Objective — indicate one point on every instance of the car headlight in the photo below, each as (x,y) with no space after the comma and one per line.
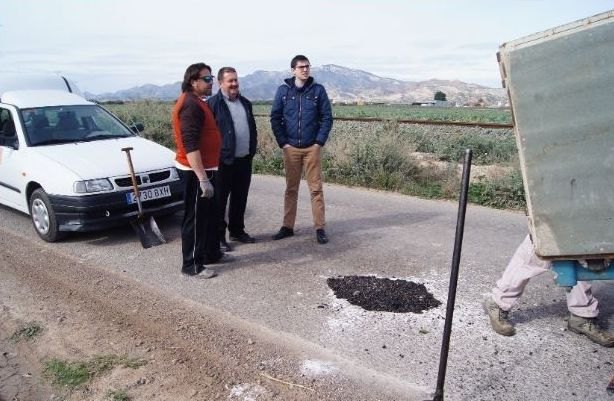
(174,174)
(97,185)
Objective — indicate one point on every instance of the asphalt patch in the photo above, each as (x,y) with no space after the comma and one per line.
(383,294)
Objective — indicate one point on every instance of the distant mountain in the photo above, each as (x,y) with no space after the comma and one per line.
(148,91)
(342,84)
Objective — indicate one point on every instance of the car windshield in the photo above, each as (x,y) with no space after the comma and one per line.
(66,124)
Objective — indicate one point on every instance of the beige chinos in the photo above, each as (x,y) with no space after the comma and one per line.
(525,265)
(295,160)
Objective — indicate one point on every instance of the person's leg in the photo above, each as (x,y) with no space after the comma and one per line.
(192,243)
(293,165)
(583,313)
(581,302)
(187,223)
(523,266)
(313,174)
(241,180)
(224,179)
(209,227)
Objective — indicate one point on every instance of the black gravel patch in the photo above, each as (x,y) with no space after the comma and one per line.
(383,294)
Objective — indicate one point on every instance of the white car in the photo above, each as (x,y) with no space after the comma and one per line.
(61,162)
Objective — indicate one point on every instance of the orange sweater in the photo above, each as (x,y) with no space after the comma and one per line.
(194,129)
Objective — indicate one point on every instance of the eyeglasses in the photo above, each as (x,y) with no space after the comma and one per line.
(302,67)
(207,78)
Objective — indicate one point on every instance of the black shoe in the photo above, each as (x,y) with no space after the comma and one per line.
(283,232)
(243,237)
(192,270)
(225,246)
(321,236)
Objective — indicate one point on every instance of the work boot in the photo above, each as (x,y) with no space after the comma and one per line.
(499,319)
(589,327)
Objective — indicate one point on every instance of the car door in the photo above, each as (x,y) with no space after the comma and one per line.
(12,149)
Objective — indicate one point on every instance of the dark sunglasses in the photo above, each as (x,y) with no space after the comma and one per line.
(207,78)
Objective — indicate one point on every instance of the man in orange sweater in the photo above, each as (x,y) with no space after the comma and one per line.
(198,141)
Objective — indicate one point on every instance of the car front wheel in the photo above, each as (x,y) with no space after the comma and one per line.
(43,216)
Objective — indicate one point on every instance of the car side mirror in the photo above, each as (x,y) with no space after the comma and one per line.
(137,128)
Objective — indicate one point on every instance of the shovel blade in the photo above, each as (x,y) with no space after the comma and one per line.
(148,231)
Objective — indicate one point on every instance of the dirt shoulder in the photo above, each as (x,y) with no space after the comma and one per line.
(190,352)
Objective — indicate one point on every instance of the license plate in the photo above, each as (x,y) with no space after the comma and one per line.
(149,194)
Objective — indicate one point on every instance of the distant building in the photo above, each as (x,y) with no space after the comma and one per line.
(432,103)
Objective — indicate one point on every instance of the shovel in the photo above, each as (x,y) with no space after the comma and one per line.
(146,228)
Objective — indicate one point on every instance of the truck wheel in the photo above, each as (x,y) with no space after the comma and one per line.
(43,216)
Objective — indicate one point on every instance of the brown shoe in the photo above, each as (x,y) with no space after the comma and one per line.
(499,319)
(588,326)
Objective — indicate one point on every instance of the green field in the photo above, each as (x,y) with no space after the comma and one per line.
(406,112)
(414,159)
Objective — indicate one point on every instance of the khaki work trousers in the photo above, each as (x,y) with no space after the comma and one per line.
(295,161)
(525,265)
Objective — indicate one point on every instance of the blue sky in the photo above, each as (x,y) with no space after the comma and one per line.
(107,45)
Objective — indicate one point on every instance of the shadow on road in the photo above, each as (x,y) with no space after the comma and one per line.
(345,237)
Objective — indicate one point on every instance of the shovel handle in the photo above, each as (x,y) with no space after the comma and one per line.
(133,177)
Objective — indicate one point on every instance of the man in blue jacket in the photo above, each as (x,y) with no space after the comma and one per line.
(301,119)
(235,120)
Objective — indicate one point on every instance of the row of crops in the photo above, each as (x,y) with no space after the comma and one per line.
(406,112)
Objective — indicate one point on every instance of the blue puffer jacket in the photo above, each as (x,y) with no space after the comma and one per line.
(303,116)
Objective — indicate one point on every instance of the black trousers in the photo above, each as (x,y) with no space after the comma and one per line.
(233,182)
(199,228)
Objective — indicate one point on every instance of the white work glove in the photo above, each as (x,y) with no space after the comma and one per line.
(207,188)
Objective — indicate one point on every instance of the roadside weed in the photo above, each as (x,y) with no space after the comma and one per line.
(67,374)
(506,192)
(73,374)
(117,395)
(27,332)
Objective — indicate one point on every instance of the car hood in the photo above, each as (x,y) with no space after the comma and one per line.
(105,158)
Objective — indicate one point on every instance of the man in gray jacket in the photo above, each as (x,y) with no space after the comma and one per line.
(235,120)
